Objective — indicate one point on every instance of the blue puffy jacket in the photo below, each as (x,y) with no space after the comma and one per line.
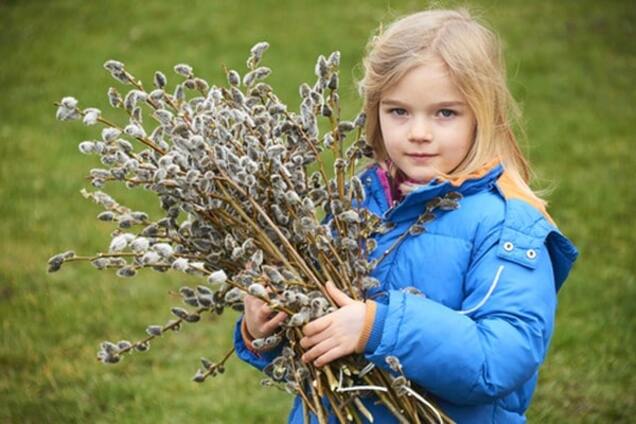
(489,272)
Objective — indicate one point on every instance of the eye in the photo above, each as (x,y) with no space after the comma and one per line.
(397,111)
(447,113)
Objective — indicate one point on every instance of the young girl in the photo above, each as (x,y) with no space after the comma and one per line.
(467,306)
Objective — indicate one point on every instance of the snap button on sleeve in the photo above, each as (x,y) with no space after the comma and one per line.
(519,247)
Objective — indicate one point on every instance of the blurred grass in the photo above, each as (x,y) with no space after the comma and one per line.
(572,66)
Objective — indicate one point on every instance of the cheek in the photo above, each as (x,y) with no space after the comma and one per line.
(384,126)
(460,137)
(390,132)
(468,136)
(385,132)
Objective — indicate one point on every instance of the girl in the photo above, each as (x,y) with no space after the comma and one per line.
(467,306)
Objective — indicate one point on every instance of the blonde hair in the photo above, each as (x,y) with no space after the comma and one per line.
(473,58)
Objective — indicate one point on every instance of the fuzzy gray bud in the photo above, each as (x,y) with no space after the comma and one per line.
(350,217)
(256,75)
(273,274)
(217,277)
(106,216)
(150,258)
(179,312)
(233,78)
(91,116)
(259,48)
(164,249)
(55,263)
(257,290)
(180,264)
(292,197)
(140,244)
(299,319)
(334,59)
(321,69)
(110,134)
(113,66)
(154,330)
(163,116)
(135,130)
(416,229)
(87,147)
(357,188)
(394,363)
(360,120)
(334,82)
(199,377)
(142,347)
(118,243)
(345,126)
(127,271)
(100,263)
(233,295)
(114,98)
(256,53)
(160,80)
(183,70)
(370,282)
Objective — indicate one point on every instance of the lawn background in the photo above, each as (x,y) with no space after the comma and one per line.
(572,66)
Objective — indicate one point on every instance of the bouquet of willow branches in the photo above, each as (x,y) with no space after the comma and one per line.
(231,167)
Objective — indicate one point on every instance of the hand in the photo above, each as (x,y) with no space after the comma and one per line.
(336,334)
(259,318)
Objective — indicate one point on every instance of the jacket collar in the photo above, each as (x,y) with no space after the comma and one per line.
(413,204)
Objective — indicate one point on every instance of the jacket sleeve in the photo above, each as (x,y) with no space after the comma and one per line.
(486,350)
(258,360)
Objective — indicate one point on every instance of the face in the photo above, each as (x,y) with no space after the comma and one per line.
(426,124)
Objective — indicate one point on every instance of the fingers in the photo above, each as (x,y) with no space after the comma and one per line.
(338,295)
(317,326)
(330,355)
(319,350)
(253,303)
(256,306)
(261,321)
(274,323)
(265,311)
(308,342)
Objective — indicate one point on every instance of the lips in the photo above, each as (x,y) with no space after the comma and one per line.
(421,158)
(421,155)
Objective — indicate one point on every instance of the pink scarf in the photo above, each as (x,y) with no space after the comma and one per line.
(393,187)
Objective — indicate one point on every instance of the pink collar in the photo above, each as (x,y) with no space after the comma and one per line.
(391,185)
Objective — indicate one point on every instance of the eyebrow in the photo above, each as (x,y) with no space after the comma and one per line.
(450,103)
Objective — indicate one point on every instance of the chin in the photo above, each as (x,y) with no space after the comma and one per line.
(419,177)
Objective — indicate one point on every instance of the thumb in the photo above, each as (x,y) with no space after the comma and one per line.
(337,295)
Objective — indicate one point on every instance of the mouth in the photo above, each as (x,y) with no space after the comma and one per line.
(420,155)
(421,158)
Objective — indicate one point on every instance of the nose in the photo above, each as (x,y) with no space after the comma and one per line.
(420,130)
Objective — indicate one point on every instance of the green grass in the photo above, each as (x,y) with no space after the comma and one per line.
(572,67)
